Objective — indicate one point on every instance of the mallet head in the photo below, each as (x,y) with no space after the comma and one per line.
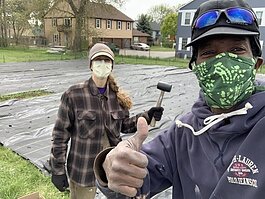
(163,86)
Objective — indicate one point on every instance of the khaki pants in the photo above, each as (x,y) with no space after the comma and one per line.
(77,192)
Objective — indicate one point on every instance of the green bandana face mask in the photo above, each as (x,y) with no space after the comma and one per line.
(226,79)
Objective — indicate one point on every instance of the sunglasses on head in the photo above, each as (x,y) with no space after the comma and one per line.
(234,15)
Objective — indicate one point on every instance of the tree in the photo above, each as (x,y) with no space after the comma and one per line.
(16,14)
(158,12)
(3,24)
(39,8)
(143,24)
(169,25)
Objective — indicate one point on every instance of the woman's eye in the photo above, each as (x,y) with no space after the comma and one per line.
(107,60)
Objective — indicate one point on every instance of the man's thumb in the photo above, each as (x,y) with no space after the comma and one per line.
(142,132)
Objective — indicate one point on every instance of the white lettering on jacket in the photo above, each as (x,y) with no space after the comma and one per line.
(241,171)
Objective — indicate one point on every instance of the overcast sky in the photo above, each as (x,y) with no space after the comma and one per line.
(133,8)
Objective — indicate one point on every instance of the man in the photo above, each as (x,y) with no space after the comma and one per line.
(91,115)
(216,150)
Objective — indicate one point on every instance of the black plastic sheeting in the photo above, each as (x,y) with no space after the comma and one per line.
(26,125)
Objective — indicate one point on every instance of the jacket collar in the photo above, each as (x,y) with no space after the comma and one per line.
(94,89)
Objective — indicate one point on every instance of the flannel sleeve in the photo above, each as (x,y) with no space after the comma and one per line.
(61,135)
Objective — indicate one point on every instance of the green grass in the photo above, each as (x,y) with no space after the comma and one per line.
(19,177)
(20,54)
(182,63)
(158,48)
(26,54)
(24,95)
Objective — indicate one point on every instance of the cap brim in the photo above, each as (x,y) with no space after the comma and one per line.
(102,54)
(222,31)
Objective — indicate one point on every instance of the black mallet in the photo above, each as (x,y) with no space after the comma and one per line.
(164,87)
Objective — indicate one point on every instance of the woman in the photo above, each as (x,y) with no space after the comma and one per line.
(91,115)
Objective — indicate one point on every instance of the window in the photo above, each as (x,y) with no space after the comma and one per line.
(182,43)
(67,22)
(98,24)
(119,25)
(109,24)
(55,38)
(128,25)
(54,22)
(259,16)
(187,18)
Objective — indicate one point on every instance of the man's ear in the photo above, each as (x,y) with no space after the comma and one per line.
(258,63)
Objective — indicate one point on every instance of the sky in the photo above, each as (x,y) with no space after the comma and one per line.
(133,8)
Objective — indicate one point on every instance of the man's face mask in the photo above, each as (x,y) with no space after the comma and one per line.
(101,68)
(226,79)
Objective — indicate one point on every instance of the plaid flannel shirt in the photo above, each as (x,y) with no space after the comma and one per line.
(84,117)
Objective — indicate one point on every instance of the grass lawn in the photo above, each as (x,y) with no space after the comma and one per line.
(21,54)
(181,63)
(19,177)
(27,54)
(158,48)
(23,95)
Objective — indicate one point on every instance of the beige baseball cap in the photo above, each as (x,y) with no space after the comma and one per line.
(100,49)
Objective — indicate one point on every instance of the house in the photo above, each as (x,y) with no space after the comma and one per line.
(186,14)
(140,37)
(156,33)
(103,22)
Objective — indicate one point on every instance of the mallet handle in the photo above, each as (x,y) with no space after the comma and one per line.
(158,104)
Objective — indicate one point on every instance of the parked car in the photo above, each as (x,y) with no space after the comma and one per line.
(140,46)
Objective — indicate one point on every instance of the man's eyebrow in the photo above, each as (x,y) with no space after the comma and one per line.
(236,40)
(205,45)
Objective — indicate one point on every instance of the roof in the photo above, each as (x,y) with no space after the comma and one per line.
(155,26)
(138,33)
(106,11)
(96,10)
(191,3)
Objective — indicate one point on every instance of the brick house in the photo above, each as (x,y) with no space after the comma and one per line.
(103,22)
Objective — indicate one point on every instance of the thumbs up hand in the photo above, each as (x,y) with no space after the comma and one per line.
(125,166)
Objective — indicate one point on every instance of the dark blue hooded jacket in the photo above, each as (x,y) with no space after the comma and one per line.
(225,162)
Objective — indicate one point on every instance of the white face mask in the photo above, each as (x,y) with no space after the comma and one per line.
(101,69)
